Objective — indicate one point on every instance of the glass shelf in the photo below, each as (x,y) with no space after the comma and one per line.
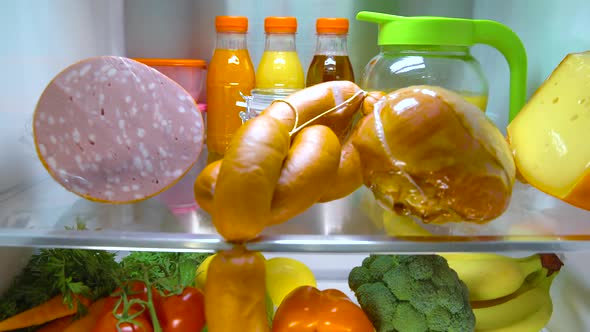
(35,212)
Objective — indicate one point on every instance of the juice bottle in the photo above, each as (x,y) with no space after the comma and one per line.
(330,62)
(230,72)
(280,67)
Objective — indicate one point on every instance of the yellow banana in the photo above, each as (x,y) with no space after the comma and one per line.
(516,308)
(533,323)
(491,276)
(393,224)
(402,226)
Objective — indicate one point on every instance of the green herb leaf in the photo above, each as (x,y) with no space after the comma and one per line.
(169,271)
(70,272)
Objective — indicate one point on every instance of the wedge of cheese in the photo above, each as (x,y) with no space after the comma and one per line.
(550,137)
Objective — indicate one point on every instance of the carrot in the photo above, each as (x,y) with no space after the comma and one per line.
(88,322)
(57,325)
(53,309)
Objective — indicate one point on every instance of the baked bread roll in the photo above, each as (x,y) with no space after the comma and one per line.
(427,152)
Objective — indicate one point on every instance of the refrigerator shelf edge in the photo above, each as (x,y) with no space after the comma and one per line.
(141,241)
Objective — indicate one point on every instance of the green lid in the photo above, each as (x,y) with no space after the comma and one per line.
(447,31)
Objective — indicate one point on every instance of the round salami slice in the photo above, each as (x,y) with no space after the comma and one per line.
(111,129)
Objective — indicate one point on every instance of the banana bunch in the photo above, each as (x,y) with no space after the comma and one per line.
(507,294)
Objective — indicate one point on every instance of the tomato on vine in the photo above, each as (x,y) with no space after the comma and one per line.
(126,310)
(182,312)
(111,323)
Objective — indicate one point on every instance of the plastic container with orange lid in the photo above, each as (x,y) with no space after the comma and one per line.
(280,67)
(190,74)
(231,75)
(330,61)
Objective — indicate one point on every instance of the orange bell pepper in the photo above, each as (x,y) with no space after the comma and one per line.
(307,309)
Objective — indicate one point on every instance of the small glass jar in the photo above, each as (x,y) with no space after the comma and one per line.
(259,100)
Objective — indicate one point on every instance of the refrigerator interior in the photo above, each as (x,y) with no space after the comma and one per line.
(42,37)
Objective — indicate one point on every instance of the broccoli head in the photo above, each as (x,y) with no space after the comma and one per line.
(412,293)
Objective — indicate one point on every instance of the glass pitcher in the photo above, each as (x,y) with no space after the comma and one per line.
(436,51)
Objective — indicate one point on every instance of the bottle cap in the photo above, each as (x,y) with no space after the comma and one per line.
(231,24)
(173,62)
(275,24)
(332,25)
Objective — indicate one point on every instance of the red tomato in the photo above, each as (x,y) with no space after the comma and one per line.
(181,313)
(108,323)
(135,290)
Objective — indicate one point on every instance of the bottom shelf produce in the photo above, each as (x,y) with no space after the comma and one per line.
(87,290)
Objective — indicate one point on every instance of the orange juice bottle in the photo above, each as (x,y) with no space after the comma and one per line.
(230,72)
(280,67)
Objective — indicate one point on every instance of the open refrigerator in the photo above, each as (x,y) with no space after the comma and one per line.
(40,38)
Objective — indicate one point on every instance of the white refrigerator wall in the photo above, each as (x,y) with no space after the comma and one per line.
(549,29)
(186,28)
(41,37)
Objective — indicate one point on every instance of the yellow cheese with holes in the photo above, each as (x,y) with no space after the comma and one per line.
(550,137)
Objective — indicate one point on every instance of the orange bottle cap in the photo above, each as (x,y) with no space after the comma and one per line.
(332,25)
(173,62)
(275,24)
(231,24)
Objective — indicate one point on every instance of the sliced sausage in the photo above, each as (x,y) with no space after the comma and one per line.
(348,177)
(268,175)
(309,170)
(205,185)
(317,99)
(111,129)
(247,178)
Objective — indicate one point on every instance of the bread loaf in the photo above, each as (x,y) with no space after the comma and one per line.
(425,151)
